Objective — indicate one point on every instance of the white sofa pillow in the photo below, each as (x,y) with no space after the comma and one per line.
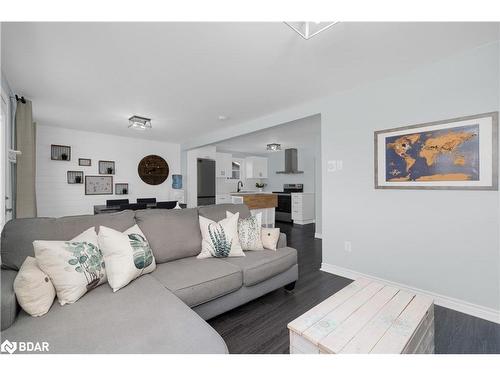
(220,240)
(34,290)
(270,237)
(74,266)
(249,231)
(127,255)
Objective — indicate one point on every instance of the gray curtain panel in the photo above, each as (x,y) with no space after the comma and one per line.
(26,162)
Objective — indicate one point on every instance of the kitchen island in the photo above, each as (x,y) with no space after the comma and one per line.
(264,203)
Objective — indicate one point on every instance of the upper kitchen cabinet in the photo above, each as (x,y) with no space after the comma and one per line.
(223,165)
(256,167)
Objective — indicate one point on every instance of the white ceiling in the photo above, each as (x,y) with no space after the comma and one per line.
(93,76)
(302,133)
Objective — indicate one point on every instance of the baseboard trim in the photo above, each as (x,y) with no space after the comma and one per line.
(318,235)
(465,307)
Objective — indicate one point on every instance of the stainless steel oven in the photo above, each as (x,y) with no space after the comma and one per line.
(284,210)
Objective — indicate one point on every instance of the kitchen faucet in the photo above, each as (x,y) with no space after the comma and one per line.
(239,187)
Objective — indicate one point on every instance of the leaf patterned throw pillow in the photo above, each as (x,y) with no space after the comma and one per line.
(220,240)
(127,255)
(249,232)
(75,266)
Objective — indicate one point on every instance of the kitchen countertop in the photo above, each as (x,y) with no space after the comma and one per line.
(258,200)
(252,193)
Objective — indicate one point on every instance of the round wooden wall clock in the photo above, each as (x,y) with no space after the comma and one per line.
(153,170)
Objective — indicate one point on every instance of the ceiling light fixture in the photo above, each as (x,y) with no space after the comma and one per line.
(223,117)
(309,29)
(139,123)
(273,147)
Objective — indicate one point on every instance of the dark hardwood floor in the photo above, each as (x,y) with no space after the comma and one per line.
(260,325)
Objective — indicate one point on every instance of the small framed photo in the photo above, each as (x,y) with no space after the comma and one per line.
(60,152)
(106,167)
(453,154)
(98,185)
(75,177)
(85,162)
(121,189)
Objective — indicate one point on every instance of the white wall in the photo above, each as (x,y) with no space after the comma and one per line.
(444,242)
(55,197)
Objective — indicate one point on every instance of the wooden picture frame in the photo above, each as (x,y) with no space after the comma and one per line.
(60,152)
(74,177)
(84,162)
(454,154)
(121,188)
(106,167)
(98,185)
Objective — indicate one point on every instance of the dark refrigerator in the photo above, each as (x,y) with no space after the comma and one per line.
(206,182)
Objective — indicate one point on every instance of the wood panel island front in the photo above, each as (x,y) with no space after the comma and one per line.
(259,202)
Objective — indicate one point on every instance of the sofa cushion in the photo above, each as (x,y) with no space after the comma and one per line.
(196,281)
(18,235)
(172,234)
(261,265)
(143,317)
(8,298)
(217,212)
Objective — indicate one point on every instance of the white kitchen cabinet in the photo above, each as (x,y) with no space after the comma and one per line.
(256,167)
(303,208)
(223,165)
(223,198)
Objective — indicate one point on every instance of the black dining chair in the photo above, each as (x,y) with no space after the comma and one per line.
(116,202)
(133,206)
(146,200)
(168,204)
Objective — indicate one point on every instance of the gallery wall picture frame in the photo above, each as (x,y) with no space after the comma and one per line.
(60,152)
(454,154)
(75,177)
(121,188)
(106,167)
(84,162)
(98,185)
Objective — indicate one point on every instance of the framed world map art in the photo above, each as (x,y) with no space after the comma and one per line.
(459,154)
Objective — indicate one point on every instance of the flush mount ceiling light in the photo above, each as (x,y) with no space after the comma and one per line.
(273,147)
(139,123)
(222,117)
(309,29)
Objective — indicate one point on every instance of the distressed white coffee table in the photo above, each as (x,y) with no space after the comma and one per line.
(366,317)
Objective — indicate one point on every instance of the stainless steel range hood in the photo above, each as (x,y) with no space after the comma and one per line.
(291,162)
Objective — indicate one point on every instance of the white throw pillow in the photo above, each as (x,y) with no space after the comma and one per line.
(34,290)
(270,237)
(74,266)
(127,255)
(249,231)
(220,240)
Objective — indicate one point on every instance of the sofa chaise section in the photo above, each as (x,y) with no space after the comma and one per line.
(143,317)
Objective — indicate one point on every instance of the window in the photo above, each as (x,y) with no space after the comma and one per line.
(235,170)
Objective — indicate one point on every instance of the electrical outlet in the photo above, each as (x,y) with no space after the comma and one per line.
(348,246)
(334,165)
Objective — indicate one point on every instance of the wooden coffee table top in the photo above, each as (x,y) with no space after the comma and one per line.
(366,317)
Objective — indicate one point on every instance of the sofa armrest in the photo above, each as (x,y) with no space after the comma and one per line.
(281,241)
(10,307)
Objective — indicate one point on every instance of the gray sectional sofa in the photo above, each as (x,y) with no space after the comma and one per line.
(161,312)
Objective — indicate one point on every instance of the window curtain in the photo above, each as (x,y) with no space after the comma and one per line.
(26,162)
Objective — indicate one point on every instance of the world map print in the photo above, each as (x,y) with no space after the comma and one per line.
(450,154)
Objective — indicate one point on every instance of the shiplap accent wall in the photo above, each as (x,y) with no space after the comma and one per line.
(55,197)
